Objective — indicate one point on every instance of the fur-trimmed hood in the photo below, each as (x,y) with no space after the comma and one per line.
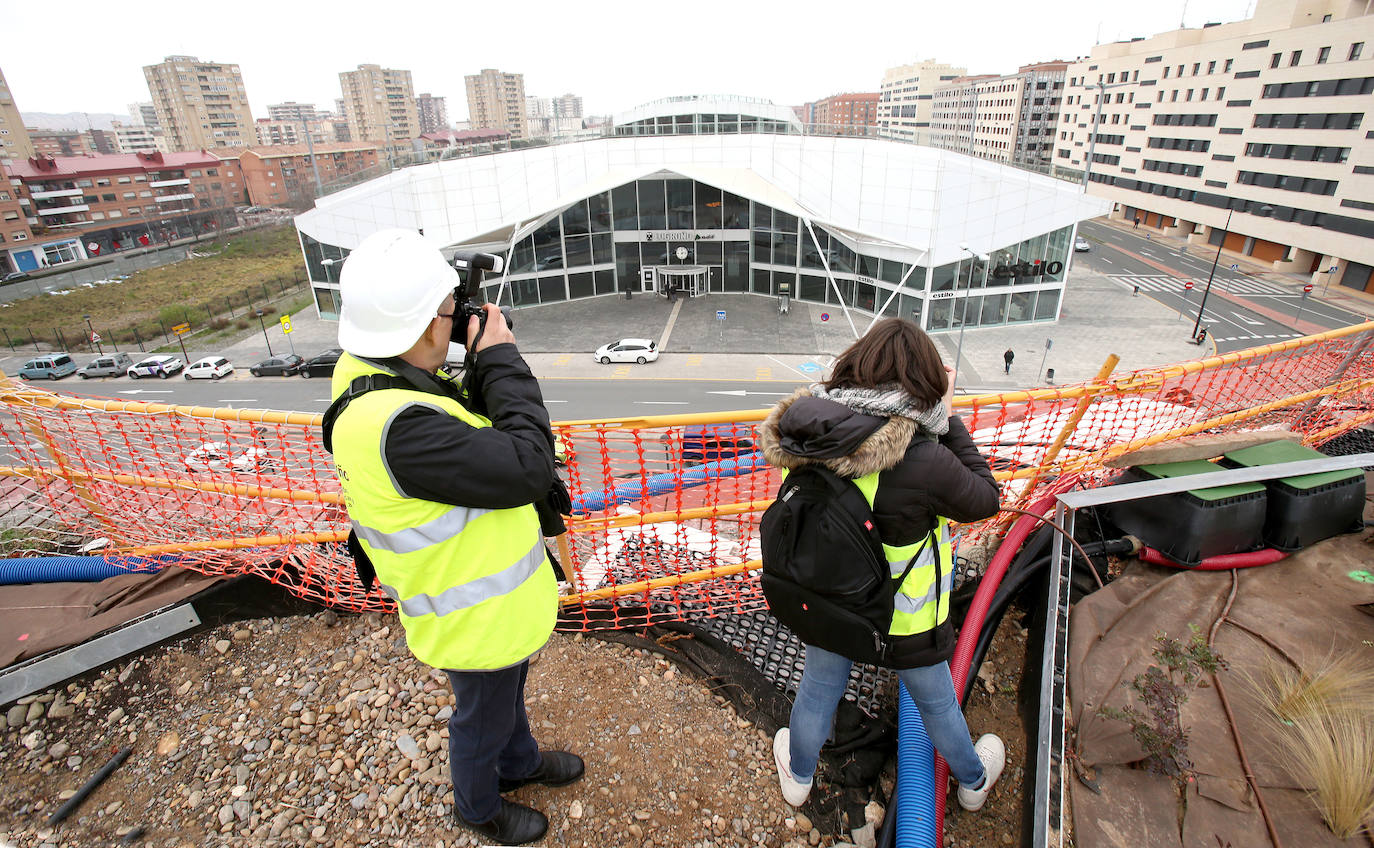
(805,430)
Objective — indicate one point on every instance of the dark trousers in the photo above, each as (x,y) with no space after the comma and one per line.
(488,738)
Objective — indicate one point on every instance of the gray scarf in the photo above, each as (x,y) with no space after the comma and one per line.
(885,402)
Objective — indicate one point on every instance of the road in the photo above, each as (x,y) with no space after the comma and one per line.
(1161,272)
(567,400)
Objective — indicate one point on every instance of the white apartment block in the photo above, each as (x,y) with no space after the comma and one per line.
(136,138)
(1265,123)
(144,113)
(496,101)
(200,105)
(380,106)
(567,106)
(906,98)
(272,131)
(1010,118)
(292,111)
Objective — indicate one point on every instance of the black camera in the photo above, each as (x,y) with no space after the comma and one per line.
(470,266)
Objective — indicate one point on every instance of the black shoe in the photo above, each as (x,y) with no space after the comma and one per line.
(556,768)
(516,824)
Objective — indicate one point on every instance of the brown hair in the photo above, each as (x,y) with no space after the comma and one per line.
(893,351)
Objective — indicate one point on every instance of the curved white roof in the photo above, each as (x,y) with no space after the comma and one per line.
(711,104)
(899,199)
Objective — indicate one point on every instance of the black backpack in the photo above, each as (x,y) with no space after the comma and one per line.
(825,575)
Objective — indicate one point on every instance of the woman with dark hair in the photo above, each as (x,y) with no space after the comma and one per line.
(884,417)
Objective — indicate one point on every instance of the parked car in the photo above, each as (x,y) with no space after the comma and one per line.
(321,364)
(106,365)
(53,366)
(163,365)
(14,276)
(1080,245)
(627,350)
(711,442)
(277,366)
(209,368)
(217,456)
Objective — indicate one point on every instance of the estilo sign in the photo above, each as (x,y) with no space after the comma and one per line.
(1026,269)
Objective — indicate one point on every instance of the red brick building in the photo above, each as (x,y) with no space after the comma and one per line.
(847,110)
(283,175)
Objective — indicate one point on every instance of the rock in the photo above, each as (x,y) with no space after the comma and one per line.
(1006,839)
(802,823)
(636,831)
(61,711)
(15,716)
(409,748)
(35,712)
(113,807)
(32,739)
(58,750)
(814,837)
(308,717)
(444,714)
(194,800)
(642,815)
(394,797)
(329,618)
(115,715)
(222,646)
(242,635)
(242,810)
(358,801)
(575,810)
(318,833)
(634,730)
(874,812)
(226,814)
(168,744)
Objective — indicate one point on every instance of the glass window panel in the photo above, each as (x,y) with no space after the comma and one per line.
(812,288)
(865,297)
(965,311)
(624,207)
(1022,307)
(736,263)
(605,281)
(810,256)
(525,292)
(761,283)
(1046,306)
(785,249)
(784,223)
(842,258)
(579,250)
(941,314)
(763,217)
(602,249)
(575,219)
(917,279)
(326,300)
(943,278)
(763,246)
(552,289)
(524,256)
(736,212)
(994,310)
(653,211)
(580,285)
(710,207)
(891,271)
(778,276)
(868,266)
(548,249)
(710,252)
(627,266)
(680,205)
(846,292)
(910,308)
(654,253)
(1036,249)
(599,207)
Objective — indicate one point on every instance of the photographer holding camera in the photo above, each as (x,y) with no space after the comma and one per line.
(451,490)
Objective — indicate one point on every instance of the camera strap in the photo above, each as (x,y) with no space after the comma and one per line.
(409,377)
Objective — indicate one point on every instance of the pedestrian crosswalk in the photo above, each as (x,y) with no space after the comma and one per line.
(1174,285)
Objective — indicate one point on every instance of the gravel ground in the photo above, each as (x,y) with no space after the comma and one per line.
(321,731)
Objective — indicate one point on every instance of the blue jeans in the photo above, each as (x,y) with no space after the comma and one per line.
(823,682)
(488,738)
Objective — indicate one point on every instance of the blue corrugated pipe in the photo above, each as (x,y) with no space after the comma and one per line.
(82,569)
(661,484)
(915,778)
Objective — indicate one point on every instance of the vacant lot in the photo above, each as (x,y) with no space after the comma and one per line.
(176,293)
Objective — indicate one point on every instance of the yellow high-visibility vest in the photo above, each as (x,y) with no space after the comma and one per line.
(922,601)
(474,586)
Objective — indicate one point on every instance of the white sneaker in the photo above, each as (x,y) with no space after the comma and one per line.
(994,756)
(794,791)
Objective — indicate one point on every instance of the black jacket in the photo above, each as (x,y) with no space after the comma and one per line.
(920,478)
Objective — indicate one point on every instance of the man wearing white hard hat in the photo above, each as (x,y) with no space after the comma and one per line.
(441,483)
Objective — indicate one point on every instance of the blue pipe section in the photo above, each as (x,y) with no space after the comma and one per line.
(915,778)
(661,484)
(81,569)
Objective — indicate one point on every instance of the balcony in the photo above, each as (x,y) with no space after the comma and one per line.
(165,183)
(62,210)
(170,198)
(57,192)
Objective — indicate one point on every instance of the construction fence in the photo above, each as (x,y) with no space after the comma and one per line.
(666,509)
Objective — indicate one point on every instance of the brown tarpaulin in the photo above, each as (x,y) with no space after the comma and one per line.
(1306,607)
(39,617)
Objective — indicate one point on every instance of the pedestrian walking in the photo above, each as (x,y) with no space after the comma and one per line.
(1137,223)
(1007,358)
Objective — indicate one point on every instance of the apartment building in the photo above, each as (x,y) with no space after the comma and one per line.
(845,110)
(380,106)
(292,111)
(433,113)
(144,113)
(14,138)
(59,142)
(284,175)
(496,101)
(1254,136)
(15,235)
(906,98)
(200,105)
(272,132)
(79,206)
(566,106)
(136,138)
(1010,118)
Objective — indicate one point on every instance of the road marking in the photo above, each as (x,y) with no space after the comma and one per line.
(146,392)
(555,401)
(790,368)
(1245,320)
(1108,261)
(694,359)
(743,393)
(238,400)
(662,402)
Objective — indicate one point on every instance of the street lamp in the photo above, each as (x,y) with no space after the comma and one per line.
(264,333)
(1097,123)
(963,317)
(1215,259)
(94,337)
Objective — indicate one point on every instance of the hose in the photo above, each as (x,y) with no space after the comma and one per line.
(1221,562)
(916,779)
(629,491)
(83,569)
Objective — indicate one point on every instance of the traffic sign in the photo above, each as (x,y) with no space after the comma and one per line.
(720,314)
(1187,284)
(1307,288)
(825,316)
(95,338)
(1235,267)
(181,329)
(286,323)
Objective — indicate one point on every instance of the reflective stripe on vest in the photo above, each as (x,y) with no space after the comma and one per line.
(921,604)
(472,593)
(411,539)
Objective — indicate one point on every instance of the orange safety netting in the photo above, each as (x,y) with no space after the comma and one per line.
(666,524)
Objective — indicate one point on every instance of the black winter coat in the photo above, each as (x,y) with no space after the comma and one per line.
(920,479)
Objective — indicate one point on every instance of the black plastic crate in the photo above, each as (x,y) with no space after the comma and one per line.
(1191,526)
(1306,509)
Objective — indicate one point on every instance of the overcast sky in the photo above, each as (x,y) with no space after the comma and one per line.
(614,54)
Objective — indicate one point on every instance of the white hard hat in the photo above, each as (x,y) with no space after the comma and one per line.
(392,285)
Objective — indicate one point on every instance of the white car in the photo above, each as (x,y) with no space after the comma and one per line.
(163,365)
(216,456)
(627,350)
(1080,245)
(209,368)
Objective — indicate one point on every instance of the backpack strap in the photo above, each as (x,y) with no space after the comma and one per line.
(360,386)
